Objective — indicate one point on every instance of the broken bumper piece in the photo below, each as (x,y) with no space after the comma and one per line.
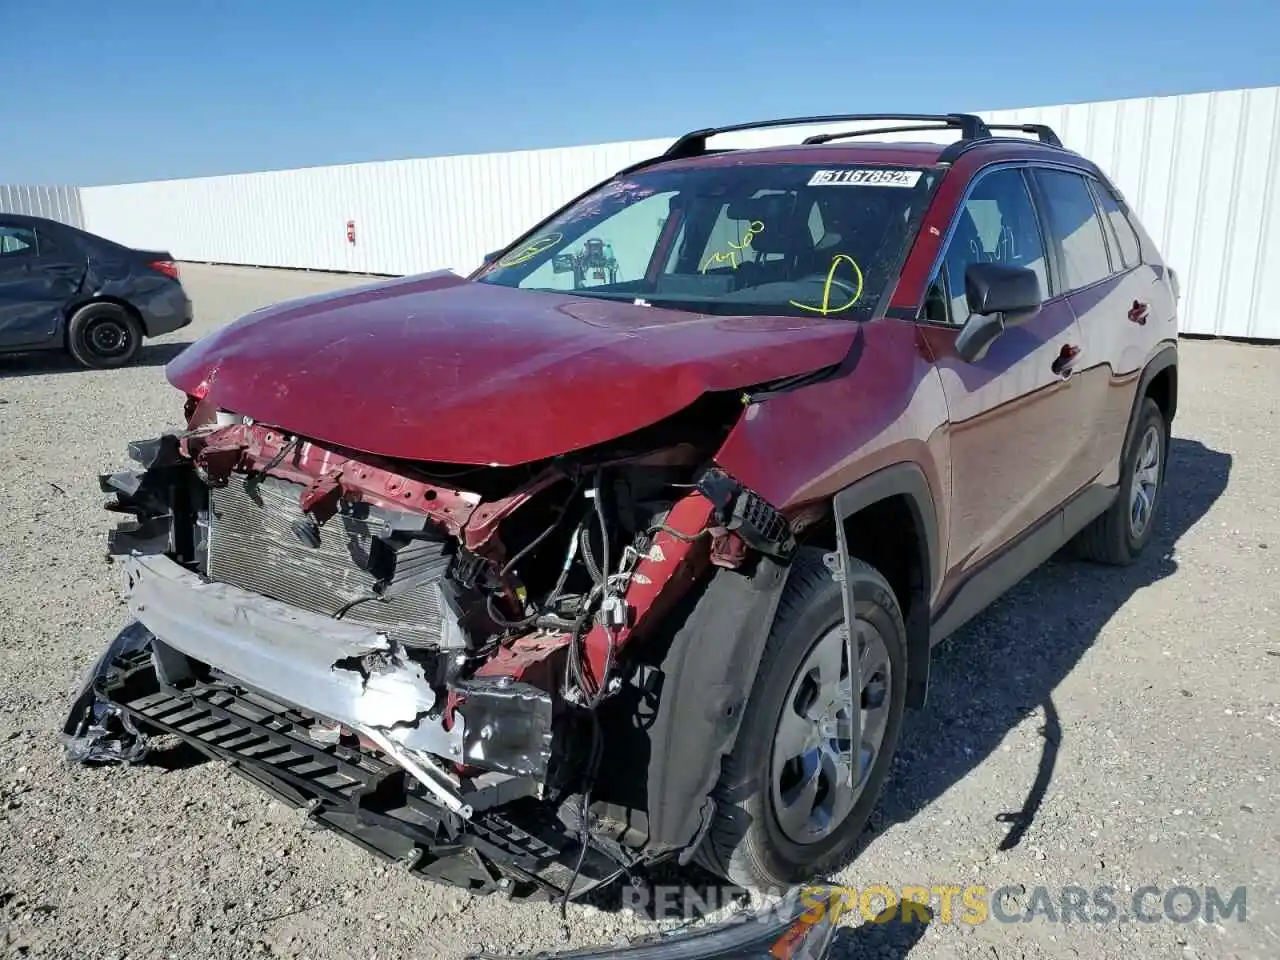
(801,927)
(350,674)
(270,690)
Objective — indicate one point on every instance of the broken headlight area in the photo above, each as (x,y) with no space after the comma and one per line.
(417,653)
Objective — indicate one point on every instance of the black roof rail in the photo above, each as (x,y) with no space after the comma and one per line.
(1042,130)
(971,128)
(908,128)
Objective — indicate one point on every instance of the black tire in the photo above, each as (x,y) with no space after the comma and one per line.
(104,335)
(745,843)
(1111,538)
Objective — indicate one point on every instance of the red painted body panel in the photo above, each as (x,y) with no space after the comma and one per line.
(439,368)
(807,445)
(1016,435)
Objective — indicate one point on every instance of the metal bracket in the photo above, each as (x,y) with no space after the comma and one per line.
(838,564)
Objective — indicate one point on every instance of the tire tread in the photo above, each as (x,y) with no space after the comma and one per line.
(725,850)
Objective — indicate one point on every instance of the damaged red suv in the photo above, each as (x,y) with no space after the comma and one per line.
(634,543)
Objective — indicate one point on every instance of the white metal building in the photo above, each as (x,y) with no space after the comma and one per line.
(1202,170)
(55,203)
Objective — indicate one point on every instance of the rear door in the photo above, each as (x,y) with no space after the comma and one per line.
(1114,298)
(1015,432)
(37,280)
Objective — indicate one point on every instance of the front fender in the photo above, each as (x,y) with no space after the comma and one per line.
(906,480)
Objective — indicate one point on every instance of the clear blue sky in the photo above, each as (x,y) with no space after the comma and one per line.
(100,92)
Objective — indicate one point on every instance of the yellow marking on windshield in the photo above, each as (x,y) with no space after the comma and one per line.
(530,250)
(826,309)
(731,255)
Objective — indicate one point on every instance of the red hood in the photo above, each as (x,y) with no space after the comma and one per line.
(440,368)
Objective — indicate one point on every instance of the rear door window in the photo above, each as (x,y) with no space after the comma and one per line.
(1074,225)
(1122,232)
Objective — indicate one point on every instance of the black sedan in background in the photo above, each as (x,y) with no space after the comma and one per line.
(65,289)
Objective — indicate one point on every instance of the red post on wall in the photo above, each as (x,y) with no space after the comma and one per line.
(351,232)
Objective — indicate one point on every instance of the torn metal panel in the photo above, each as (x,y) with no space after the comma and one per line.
(342,671)
(327,473)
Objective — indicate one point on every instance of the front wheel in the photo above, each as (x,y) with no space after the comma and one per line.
(795,793)
(103,335)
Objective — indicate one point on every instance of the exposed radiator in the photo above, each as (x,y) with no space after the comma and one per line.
(251,546)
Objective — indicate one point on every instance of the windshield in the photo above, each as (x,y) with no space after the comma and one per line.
(793,240)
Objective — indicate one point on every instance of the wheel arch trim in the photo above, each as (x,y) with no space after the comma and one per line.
(1165,358)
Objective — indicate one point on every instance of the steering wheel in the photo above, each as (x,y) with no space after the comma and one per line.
(854,292)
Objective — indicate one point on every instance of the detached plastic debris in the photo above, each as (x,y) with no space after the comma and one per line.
(106,735)
(96,730)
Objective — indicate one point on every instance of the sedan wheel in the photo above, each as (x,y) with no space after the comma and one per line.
(104,335)
(108,337)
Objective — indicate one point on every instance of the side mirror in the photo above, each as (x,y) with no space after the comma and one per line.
(999,296)
(491,256)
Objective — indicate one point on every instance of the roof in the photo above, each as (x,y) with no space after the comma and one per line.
(31,220)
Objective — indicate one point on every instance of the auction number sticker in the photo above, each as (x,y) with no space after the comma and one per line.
(863,177)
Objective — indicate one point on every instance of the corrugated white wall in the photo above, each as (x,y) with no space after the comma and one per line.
(410,215)
(55,203)
(1203,171)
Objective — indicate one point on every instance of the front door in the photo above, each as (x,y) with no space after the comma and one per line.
(33,289)
(1014,433)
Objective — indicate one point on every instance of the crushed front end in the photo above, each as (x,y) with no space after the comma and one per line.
(434,660)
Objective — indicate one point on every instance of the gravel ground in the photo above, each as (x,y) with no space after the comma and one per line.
(1133,716)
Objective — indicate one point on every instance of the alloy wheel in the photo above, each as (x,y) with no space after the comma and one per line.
(813,789)
(1146,482)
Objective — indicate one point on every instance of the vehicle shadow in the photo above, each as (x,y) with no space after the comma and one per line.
(15,365)
(1057,613)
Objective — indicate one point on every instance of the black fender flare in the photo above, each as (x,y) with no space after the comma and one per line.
(1165,357)
(708,670)
(706,678)
(905,480)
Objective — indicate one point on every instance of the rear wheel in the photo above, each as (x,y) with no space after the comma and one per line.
(795,793)
(1121,534)
(103,335)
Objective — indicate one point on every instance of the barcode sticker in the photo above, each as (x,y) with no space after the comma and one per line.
(862,177)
